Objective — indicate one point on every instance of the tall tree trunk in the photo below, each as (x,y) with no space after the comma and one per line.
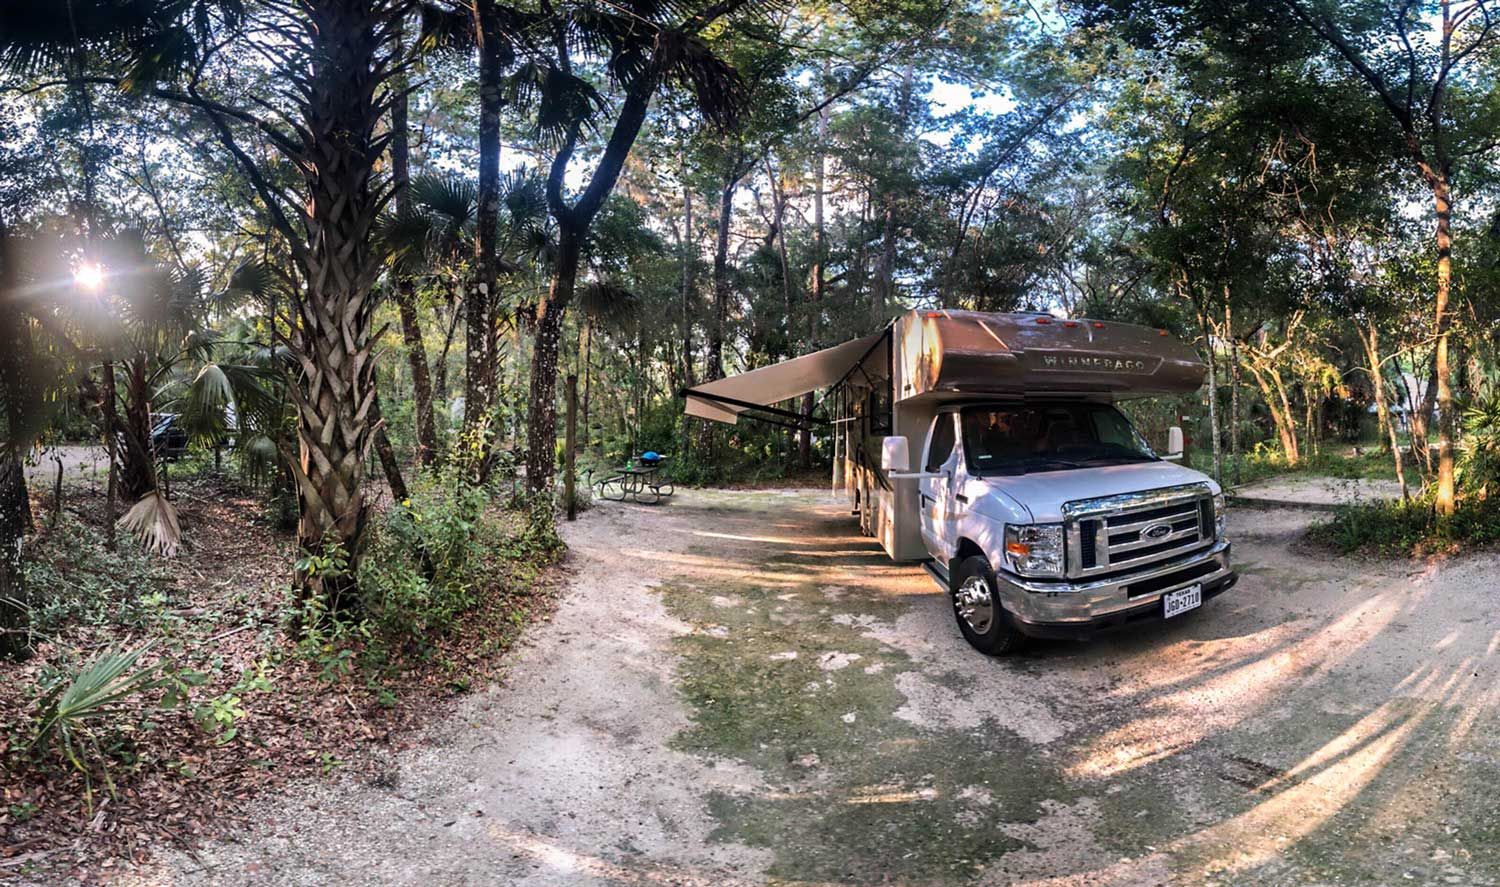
(819,272)
(715,368)
(109,410)
(885,277)
(137,460)
(573,225)
(541,430)
(1234,389)
(15,510)
(387,455)
(685,296)
(1280,412)
(714,363)
(19,394)
(1442,199)
(405,291)
(1369,336)
(333,340)
(482,298)
(450,327)
(1213,395)
(588,365)
(1421,439)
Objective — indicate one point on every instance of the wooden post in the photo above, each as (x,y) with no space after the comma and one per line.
(569,481)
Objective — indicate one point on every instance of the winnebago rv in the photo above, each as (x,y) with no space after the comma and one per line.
(988,446)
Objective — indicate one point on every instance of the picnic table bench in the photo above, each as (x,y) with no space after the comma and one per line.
(640,483)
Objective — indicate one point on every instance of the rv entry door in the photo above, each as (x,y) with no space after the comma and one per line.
(939,463)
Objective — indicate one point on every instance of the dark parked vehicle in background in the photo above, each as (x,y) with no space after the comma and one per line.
(168,439)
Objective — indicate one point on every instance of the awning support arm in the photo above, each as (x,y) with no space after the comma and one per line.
(775,411)
(860,364)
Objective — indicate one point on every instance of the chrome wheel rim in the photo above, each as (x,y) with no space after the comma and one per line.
(975,604)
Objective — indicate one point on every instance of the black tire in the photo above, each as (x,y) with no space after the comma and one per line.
(996,636)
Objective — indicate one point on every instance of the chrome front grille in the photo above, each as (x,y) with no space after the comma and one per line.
(1119,533)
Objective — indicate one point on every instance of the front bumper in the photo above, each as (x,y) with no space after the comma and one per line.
(1081,609)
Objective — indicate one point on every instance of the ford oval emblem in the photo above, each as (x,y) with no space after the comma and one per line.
(1157,531)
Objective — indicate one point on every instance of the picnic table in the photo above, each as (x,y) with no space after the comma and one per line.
(640,483)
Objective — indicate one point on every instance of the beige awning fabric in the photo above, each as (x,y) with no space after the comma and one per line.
(723,400)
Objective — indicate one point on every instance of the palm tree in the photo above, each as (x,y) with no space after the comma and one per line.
(643,44)
(335,60)
(430,237)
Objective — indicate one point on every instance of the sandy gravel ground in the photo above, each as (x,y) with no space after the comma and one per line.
(1315,490)
(740,690)
(80,463)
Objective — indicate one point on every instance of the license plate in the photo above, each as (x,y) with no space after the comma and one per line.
(1175,603)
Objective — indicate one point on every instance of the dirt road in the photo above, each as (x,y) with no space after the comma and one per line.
(739,690)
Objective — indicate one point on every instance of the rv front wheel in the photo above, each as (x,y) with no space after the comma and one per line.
(976,606)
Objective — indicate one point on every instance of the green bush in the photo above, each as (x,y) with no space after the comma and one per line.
(416,576)
(1409,528)
(74,579)
(1479,447)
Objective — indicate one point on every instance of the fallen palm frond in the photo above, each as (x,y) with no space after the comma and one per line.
(153,521)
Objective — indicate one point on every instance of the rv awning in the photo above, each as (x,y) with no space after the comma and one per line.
(723,400)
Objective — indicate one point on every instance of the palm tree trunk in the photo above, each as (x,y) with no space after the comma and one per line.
(137,461)
(108,410)
(333,340)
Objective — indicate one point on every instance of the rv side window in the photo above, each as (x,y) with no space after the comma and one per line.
(941,446)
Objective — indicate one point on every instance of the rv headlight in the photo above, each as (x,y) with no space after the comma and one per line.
(1035,549)
(1218,516)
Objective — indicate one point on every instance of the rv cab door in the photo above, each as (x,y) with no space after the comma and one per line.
(936,487)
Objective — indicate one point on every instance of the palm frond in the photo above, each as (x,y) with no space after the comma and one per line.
(446,27)
(223,397)
(153,521)
(251,279)
(94,693)
(609,304)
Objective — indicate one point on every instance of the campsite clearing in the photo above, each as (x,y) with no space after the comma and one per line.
(740,689)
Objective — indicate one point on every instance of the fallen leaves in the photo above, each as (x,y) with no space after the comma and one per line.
(177,783)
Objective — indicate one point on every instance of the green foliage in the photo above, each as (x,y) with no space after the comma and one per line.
(74,579)
(417,577)
(1409,528)
(1479,448)
(72,707)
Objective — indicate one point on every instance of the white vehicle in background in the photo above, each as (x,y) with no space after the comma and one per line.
(1032,498)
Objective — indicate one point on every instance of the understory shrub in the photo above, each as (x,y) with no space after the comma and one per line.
(416,577)
(73,579)
(1479,446)
(1408,528)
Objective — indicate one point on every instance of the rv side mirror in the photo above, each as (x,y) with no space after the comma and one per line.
(1174,443)
(893,454)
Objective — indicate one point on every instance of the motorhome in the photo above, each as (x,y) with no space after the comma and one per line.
(989,448)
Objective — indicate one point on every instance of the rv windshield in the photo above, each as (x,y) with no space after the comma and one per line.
(1028,437)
